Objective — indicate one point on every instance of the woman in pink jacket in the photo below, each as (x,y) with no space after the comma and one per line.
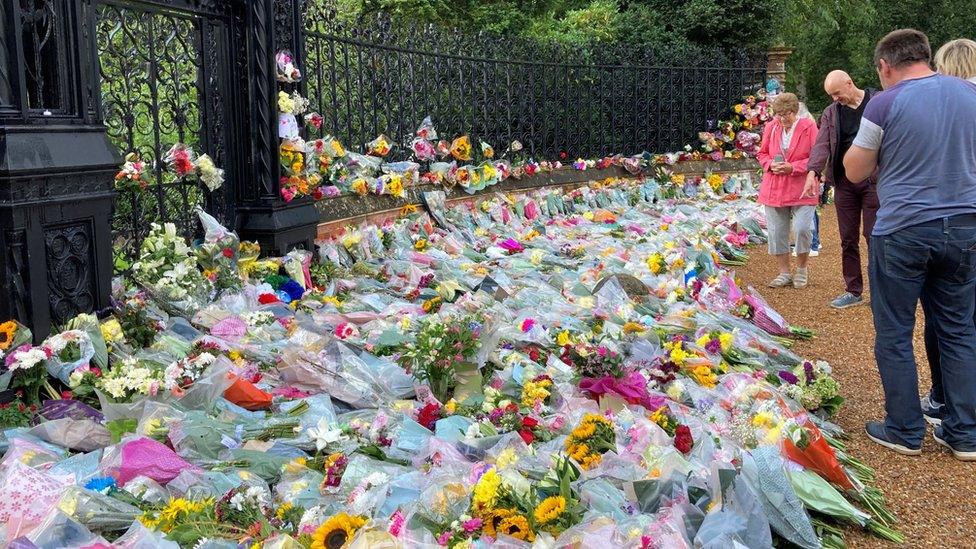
(786,144)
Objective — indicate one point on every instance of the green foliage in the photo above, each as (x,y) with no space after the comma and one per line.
(841,34)
(732,24)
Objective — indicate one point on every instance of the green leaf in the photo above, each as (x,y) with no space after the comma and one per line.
(121,427)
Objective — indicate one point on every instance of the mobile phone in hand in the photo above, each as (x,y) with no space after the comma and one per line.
(779,158)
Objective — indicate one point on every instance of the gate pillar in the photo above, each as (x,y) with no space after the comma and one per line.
(277,225)
(56,169)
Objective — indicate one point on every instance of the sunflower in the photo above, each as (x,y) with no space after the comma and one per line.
(550,509)
(516,526)
(8,330)
(337,531)
(493,520)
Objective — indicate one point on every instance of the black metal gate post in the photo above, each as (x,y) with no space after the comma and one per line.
(56,168)
(262,213)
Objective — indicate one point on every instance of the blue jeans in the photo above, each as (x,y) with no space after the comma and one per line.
(939,259)
(816,230)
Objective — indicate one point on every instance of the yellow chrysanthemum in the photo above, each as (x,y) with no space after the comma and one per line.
(634,328)
(111,330)
(282,509)
(486,491)
(679,355)
(764,420)
(655,263)
(395,186)
(534,391)
(564,338)
(550,509)
(704,376)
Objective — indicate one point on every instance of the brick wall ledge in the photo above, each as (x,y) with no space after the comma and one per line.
(342,211)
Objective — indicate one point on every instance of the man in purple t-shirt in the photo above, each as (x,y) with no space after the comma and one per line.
(920,133)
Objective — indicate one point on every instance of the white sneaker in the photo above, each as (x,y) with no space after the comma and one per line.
(814,253)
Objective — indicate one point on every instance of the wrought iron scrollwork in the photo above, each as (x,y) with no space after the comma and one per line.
(70,264)
(379,75)
(163,77)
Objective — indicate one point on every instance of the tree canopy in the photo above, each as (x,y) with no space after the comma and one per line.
(721,23)
(841,34)
(825,34)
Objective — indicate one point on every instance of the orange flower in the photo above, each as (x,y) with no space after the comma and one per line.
(461,148)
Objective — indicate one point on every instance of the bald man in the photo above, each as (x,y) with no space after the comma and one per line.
(854,201)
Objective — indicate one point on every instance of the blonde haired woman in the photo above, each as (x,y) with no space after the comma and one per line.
(957,58)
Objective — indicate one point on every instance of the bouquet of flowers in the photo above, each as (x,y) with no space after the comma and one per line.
(167,268)
(442,346)
(592,438)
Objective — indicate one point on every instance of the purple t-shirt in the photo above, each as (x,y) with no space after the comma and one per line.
(924,130)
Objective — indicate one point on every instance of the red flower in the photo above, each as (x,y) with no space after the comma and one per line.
(562,155)
(228,253)
(183,166)
(265,299)
(682,439)
(97,371)
(527,436)
(318,193)
(66,395)
(428,415)
(529,422)
(512,407)
(534,354)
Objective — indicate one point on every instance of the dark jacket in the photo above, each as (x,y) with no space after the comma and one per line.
(828,139)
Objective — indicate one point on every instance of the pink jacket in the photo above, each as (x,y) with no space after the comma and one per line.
(784,190)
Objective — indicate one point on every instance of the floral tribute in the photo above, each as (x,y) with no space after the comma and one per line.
(486,379)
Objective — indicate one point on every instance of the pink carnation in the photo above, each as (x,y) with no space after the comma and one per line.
(344,330)
(527,324)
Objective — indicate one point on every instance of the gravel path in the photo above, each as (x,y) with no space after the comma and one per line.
(931,494)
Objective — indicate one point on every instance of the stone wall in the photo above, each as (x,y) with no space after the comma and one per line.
(339,212)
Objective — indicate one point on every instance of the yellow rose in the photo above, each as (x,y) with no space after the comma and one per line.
(461,148)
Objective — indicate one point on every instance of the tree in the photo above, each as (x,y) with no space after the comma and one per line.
(841,34)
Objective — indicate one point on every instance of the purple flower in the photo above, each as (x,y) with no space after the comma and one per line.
(713,346)
(789,377)
(808,371)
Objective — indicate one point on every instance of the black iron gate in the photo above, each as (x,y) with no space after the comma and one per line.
(380,75)
(168,73)
(199,72)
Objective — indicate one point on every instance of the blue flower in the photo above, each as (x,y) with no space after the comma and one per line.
(293,289)
(103,485)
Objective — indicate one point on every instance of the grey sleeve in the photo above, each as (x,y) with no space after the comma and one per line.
(868,135)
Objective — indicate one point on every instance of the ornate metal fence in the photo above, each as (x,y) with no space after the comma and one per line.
(181,71)
(166,71)
(380,76)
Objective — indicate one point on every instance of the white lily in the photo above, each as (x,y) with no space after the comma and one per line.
(323,435)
